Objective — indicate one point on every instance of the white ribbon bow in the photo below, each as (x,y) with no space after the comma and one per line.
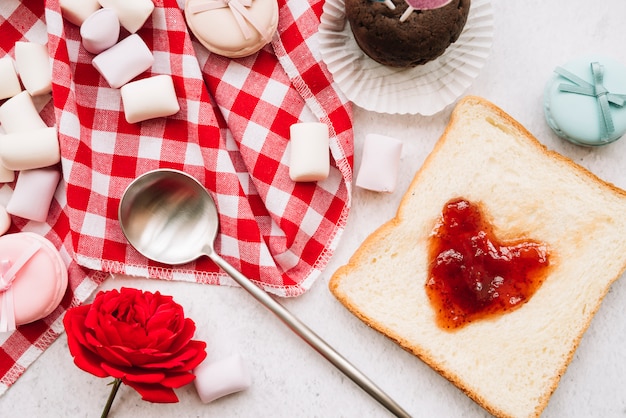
(7,277)
(240,12)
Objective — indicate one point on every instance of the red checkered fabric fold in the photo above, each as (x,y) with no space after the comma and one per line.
(232,134)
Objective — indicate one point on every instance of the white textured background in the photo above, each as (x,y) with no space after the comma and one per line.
(291,380)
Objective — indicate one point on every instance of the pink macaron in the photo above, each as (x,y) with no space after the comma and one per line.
(34,277)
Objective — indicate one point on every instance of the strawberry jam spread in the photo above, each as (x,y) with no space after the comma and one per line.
(472,275)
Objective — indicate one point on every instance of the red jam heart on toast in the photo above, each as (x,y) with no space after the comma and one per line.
(473,275)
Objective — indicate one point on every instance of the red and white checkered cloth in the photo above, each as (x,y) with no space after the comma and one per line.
(231,134)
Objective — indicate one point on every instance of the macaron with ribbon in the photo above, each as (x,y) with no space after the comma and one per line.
(232,28)
(585,101)
(33,279)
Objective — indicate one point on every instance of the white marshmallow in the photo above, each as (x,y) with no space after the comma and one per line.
(27,150)
(6,175)
(5,220)
(124,61)
(149,98)
(76,11)
(33,65)
(20,114)
(132,14)
(379,163)
(9,83)
(309,159)
(221,378)
(33,193)
(100,31)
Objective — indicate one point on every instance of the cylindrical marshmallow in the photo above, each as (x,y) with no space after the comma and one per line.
(379,163)
(77,11)
(149,98)
(9,83)
(33,193)
(5,220)
(100,31)
(33,65)
(132,14)
(20,114)
(221,378)
(309,159)
(30,149)
(124,61)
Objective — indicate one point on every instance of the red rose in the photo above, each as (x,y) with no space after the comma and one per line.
(140,338)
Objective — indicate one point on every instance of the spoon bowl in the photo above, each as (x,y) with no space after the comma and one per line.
(169,217)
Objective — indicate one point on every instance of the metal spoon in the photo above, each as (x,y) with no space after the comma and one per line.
(169,217)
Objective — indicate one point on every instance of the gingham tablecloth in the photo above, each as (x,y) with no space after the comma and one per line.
(232,134)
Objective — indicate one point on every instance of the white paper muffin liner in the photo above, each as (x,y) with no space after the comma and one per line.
(425,89)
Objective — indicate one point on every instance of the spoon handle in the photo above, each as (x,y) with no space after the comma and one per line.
(310,337)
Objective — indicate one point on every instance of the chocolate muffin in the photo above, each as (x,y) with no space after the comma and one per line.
(421,38)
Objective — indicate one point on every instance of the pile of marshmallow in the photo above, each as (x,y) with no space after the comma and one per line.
(27,144)
(121,60)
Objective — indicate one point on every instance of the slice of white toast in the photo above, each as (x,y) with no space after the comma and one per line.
(510,364)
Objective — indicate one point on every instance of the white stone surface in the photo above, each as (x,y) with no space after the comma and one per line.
(289,379)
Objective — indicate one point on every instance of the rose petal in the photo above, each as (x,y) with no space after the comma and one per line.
(91,319)
(184,336)
(139,358)
(178,380)
(73,322)
(200,348)
(114,371)
(132,335)
(145,377)
(183,358)
(144,355)
(91,364)
(154,393)
(163,330)
(161,339)
(166,317)
(107,331)
(84,358)
(141,316)
(90,340)
(114,355)
(134,374)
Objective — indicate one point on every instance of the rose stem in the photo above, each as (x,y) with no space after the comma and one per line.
(107,407)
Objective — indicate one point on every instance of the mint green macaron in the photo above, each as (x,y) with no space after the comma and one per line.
(585,101)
